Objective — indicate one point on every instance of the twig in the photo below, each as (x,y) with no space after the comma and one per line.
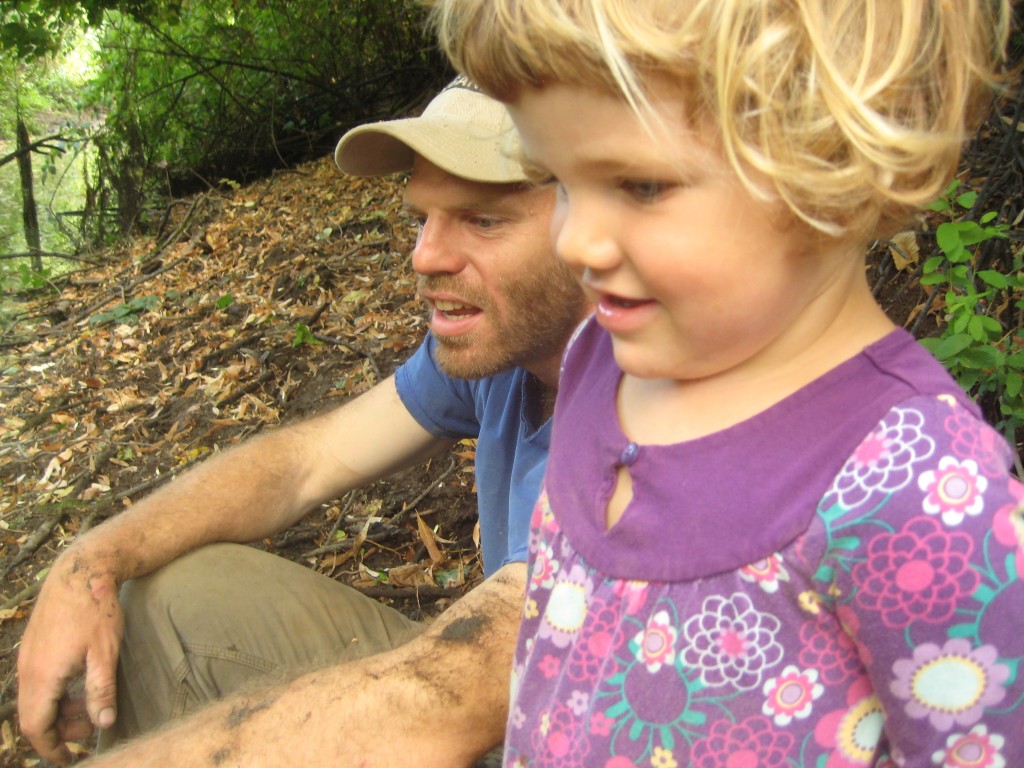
(406,593)
(400,514)
(351,348)
(241,392)
(229,350)
(26,594)
(154,481)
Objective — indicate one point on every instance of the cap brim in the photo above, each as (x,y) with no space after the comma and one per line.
(378,149)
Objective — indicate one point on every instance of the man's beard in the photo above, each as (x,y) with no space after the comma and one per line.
(541,312)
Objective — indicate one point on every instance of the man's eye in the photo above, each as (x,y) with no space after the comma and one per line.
(485,222)
(645,190)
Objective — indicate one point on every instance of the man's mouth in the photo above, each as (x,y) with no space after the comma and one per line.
(454,308)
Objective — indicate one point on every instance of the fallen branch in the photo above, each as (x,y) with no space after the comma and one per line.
(400,514)
(241,392)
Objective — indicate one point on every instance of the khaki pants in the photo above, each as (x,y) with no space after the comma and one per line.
(227,616)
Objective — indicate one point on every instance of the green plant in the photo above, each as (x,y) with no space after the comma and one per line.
(127,312)
(982,341)
(304,336)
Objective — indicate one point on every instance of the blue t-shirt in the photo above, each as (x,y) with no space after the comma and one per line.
(511,450)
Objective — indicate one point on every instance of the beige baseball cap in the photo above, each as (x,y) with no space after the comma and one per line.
(462,130)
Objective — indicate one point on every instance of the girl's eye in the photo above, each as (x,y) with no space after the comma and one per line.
(645,190)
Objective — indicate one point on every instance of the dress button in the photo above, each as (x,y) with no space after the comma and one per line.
(629,454)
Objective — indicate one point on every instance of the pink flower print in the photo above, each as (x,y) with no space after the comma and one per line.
(544,567)
(731,642)
(1008,525)
(951,685)
(953,490)
(549,666)
(826,647)
(753,743)
(633,594)
(560,741)
(791,694)
(766,573)
(975,749)
(578,702)
(566,610)
(600,638)
(884,461)
(601,724)
(916,574)
(620,762)
(852,734)
(974,439)
(656,643)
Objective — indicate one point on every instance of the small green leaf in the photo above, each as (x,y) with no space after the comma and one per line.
(994,278)
(966,200)
(225,301)
(951,345)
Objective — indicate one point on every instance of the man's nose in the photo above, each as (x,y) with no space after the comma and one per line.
(437,249)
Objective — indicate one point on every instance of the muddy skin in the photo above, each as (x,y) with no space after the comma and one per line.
(240,714)
(467,629)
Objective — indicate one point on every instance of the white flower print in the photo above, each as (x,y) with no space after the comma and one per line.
(884,461)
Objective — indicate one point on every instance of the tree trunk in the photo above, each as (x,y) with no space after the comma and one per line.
(29,216)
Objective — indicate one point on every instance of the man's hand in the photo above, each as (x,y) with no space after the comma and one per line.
(76,627)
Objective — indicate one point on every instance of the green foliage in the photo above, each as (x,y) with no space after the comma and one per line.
(982,341)
(303,335)
(127,312)
(34,28)
(19,277)
(226,90)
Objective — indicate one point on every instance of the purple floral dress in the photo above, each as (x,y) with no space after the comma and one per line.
(836,583)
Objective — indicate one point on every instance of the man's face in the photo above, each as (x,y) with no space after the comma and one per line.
(497,295)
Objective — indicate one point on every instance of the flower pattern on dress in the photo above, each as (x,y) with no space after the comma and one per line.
(974,440)
(884,461)
(561,740)
(950,685)
(753,742)
(827,648)
(601,636)
(919,573)
(567,607)
(852,733)
(766,573)
(975,749)
(954,490)
(881,636)
(656,643)
(730,641)
(791,695)
(1008,526)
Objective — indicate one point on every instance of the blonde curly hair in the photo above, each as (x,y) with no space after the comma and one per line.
(854,110)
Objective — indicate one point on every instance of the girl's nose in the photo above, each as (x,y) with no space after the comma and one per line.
(583,235)
(436,252)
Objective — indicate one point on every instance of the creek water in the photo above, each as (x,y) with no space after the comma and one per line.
(58,194)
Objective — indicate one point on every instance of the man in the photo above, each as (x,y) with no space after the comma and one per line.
(212,617)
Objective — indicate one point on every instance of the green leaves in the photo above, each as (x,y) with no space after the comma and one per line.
(981,341)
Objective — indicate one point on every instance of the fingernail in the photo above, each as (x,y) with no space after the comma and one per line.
(106,718)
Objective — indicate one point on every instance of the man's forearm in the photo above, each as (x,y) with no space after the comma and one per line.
(440,700)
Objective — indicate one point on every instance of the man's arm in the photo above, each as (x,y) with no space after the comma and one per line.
(248,492)
(440,700)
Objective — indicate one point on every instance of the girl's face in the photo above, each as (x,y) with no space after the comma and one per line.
(691,275)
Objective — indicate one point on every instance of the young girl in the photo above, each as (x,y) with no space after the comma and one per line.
(774,531)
